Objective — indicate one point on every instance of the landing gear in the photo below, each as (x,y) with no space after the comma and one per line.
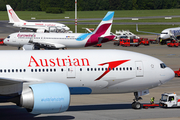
(136,104)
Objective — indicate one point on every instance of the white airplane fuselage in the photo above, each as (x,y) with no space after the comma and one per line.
(166,33)
(92,71)
(61,39)
(40,25)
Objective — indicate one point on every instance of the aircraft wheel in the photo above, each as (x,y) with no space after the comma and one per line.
(176,75)
(136,105)
(133,105)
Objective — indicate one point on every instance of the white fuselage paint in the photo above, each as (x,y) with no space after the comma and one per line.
(66,40)
(165,34)
(139,72)
(40,25)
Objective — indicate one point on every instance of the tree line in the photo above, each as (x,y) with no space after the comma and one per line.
(89,5)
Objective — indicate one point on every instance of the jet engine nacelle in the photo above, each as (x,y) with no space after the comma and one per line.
(46,98)
(40,30)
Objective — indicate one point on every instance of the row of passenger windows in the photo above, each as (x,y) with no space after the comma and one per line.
(12,70)
(47,38)
(69,69)
(24,70)
(43,70)
(105,69)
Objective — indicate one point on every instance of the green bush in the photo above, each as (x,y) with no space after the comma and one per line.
(55,10)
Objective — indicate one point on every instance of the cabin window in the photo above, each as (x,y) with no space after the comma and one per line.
(130,68)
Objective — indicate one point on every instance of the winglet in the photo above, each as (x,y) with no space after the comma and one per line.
(12,15)
(137,27)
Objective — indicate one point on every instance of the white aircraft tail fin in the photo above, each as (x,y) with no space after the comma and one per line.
(12,15)
(105,26)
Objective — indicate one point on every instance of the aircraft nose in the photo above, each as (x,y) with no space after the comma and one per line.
(168,74)
(67,28)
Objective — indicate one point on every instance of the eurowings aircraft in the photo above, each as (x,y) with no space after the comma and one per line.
(43,81)
(35,26)
(166,34)
(31,41)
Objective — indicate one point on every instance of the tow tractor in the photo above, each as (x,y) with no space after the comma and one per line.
(144,41)
(127,42)
(169,100)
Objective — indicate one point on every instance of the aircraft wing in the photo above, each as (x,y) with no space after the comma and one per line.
(45,44)
(10,86)
(52,45)
(39,29)
(146,32)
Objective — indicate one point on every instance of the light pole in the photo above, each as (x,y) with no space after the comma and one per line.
(75,16)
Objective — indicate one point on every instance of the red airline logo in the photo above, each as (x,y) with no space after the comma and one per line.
(11,12)
(112,65)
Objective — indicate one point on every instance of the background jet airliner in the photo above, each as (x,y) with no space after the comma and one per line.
(31,41)
(42,81)
(166,35)
(35,26)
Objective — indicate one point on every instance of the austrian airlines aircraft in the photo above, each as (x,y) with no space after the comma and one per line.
(166,34)
(42,81)
(31,41)
(35,26)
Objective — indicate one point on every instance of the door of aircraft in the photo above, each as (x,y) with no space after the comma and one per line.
(70,71)
(139,69)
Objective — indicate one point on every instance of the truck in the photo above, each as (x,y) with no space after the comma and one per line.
(127,42)
(169,100)
(173,43)
(177,73)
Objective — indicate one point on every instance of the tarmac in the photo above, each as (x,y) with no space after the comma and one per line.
(111,106)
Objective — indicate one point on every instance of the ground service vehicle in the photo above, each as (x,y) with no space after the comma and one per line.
(144,41)
(169,100)
(177,73)
(127,42)
(173,43)
(146,106)
(1,41)
(98,45)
